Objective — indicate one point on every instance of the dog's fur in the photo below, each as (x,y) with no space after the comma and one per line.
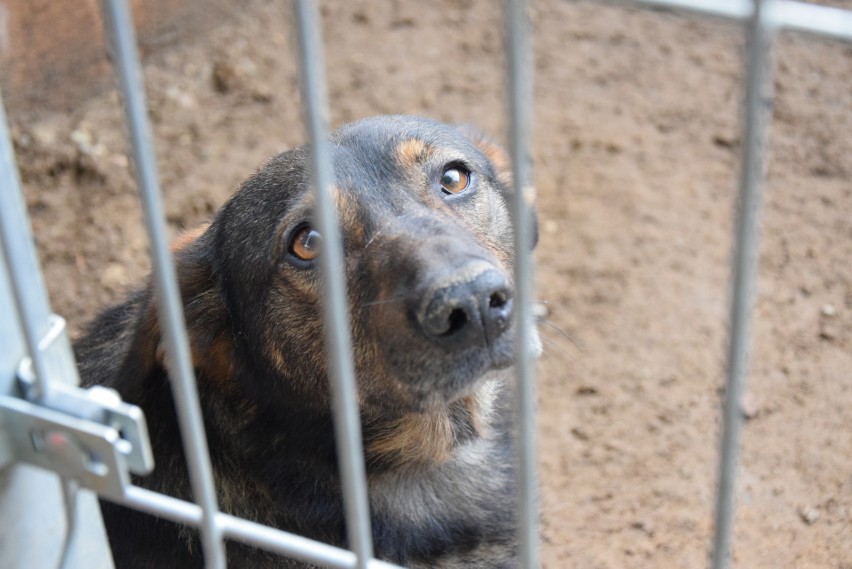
(432,393)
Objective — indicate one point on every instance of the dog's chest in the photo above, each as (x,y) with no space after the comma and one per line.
(447,511)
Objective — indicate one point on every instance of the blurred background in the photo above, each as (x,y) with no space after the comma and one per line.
(636,140)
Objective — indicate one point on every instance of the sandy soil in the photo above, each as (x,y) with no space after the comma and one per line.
(636,146)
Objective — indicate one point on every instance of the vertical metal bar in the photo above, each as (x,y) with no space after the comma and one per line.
(346,418)
(744,274)
(22,265)
(520,96)
(169,308)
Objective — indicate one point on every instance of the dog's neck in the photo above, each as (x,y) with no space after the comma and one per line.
(421,440)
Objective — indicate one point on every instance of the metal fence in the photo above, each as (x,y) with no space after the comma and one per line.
(36,363)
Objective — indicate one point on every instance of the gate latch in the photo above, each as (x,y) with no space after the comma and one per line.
(89,435)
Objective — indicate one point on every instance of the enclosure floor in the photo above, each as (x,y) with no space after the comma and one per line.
(636,146)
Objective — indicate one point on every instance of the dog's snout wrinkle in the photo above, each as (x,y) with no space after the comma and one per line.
(471,306)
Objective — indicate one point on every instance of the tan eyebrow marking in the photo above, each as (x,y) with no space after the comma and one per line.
(411,152)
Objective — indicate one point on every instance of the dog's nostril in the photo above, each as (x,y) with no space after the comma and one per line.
(457,320)
(497,300)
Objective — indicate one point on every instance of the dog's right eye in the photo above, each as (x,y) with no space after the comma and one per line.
(455,180)
(305,243)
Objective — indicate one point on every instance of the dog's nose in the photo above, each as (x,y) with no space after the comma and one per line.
(471,307)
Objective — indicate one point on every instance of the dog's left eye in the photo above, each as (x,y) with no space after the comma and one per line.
(305,243)
(455,180)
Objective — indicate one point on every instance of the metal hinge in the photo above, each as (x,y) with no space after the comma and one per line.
(88,435)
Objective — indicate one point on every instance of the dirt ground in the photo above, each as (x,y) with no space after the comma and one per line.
(636,144)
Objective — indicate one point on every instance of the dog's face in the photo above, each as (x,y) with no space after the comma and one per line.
(427,242)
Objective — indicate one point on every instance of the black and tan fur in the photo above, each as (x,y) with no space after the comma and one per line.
(429,286)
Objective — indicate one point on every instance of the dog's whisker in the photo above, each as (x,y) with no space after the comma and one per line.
(376,235)
(386,301)
(373,238)
(555,344)
(561,332)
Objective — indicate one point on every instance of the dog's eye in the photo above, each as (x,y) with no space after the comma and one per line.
(455,180)
(305,243)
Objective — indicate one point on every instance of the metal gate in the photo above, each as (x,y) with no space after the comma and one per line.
(92,440)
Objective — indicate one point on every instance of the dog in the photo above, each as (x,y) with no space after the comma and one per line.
(428,249)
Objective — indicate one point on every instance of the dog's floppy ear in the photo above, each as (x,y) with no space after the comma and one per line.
(502,164)
(204,310)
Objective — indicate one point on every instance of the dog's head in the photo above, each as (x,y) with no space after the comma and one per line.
(427,240)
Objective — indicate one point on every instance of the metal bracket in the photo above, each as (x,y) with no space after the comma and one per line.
(89,435)
(100,405)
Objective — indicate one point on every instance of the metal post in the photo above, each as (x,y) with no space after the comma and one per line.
(169,308)
(520,95)
(30,498)
(31,302)
(346,418)
(744,275)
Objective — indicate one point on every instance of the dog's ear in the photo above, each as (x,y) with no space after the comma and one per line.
(502,164)
(204,310)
